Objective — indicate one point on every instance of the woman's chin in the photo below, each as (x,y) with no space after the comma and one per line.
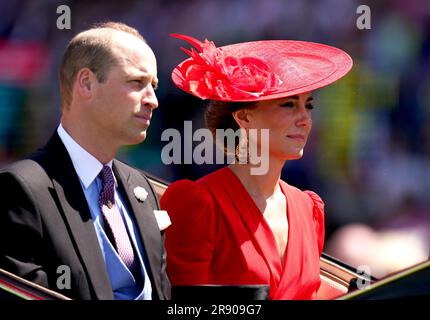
(294,156)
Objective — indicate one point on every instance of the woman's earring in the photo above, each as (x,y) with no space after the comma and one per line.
(242,147)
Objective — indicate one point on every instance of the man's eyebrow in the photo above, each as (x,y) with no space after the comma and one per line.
(142,75)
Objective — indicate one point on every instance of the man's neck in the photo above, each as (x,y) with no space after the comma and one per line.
(100,148)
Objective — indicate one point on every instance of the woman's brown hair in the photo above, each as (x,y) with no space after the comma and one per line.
(219,115)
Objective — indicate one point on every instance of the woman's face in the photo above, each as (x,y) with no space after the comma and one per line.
(289,122)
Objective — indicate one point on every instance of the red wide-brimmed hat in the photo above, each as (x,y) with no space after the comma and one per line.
(258,70)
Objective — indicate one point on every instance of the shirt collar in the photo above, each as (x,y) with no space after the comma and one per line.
(86,165)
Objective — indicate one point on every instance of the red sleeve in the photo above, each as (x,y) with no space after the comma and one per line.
(190,239)
(318,215)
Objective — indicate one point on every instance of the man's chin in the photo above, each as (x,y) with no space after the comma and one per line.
(136,139)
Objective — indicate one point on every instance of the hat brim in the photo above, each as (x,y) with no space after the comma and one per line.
(302,66)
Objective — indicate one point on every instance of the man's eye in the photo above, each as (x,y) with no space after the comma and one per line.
(310,106)
(138,83)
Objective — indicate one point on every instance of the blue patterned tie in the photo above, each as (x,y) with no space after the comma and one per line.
(114,225)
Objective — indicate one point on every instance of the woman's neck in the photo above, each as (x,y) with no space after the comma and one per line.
(259,186)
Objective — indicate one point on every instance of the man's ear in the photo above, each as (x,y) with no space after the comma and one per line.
(242,118)
(84,83)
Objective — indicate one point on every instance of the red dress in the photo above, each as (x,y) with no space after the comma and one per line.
(219,236)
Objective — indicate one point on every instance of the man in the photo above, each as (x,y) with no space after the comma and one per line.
(71,209)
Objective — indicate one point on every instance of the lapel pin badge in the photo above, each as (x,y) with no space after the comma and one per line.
(140,193)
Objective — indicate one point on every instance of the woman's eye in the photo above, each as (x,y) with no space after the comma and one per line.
(288,104)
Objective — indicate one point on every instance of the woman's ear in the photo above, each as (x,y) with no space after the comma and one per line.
(242,118)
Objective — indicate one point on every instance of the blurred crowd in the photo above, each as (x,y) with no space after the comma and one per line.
(369,152)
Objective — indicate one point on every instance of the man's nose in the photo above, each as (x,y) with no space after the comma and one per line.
(150,98)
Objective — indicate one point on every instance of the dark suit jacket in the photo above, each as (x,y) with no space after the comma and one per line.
(45,222)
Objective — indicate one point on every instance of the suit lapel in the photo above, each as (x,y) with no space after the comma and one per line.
(76,214)
(143,213)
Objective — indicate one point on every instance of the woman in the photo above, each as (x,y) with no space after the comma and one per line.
(233,227)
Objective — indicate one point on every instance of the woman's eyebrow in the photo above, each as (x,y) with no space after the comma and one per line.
(297,98)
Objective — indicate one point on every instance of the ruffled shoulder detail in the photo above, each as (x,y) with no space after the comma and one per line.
(318,217)
(191,238)
(185,187)
(184,195)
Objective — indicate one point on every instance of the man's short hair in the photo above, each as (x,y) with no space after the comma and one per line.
(92,52)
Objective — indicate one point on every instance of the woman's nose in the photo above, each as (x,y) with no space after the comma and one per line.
(304,117)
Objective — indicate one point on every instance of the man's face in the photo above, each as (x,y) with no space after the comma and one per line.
(122,105)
